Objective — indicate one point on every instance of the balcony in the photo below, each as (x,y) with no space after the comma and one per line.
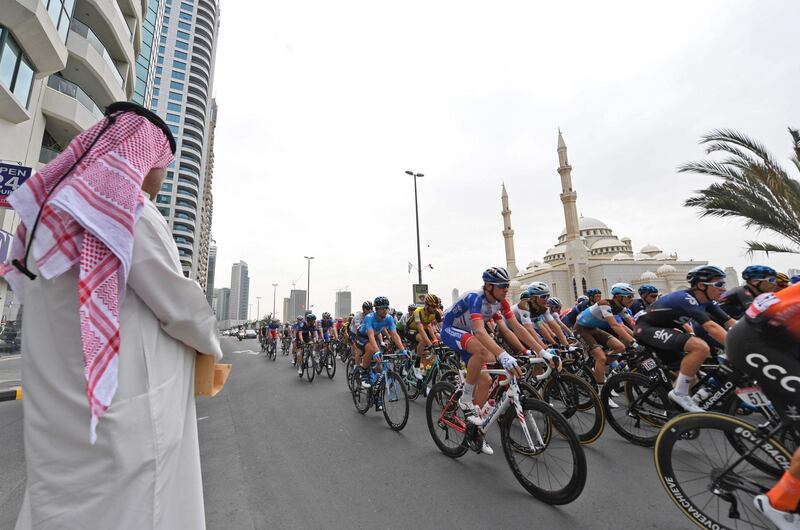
(91,66)
(109,24)
(185,206)
(68,108)
(36,34)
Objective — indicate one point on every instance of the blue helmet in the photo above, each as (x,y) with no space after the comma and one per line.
(538,289)
(646,289)
(758,272)
(554,302)
(311,316)
(704,273)
(621,289)
(496,275)
(582,298)
(592,292)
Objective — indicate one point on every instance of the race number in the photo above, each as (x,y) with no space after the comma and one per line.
(753,396)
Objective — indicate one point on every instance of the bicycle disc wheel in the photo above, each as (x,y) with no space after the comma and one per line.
(446,420)
(642,407)
(310,367)
(395,401)
(361,397)
(578,403)
(553,470)
(691,453)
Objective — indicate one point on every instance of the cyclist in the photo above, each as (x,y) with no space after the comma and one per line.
(647,295)
(371,327)
(309,332)
(526,311)
(781,281)
(328,327)
(273,327)
(758,279)
(665,327)
(539,304)
(355,325)
(262,334)
(466,320)
(419,328)
(597,322)
(592,296)
(555,309)
(765,344)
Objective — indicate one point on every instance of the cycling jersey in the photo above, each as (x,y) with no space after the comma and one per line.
(308,330)
(474,305)
(528,316)
(572,315)
(778,311)
(637,307)
(595,316)
(355,323)
(735,301)
(678,308)
(371,321)
(421,316)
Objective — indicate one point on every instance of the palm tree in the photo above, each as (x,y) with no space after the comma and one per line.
(753,187)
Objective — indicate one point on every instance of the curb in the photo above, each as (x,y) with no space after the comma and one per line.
(15,394)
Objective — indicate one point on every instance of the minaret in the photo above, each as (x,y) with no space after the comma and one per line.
(508,235)
(576,253)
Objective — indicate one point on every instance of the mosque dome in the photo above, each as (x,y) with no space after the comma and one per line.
(589,223)
(662,257)
(666,269)
(648,276)
(534,264)
(622,257)
(640,257)
(650,250)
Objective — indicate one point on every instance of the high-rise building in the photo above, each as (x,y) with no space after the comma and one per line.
(146,60)
(344,302)
(212,267)
(223,303)
(207,210)
(297,303)
(240,291)
(286,310)
(182,90)
(61,63)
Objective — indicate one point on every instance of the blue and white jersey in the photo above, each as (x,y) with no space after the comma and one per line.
(572,316)
(474,305)
(371,321)
(595,316)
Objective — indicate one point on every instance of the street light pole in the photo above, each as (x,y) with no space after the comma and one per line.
(258,306)
(274,290)
(416,212)
(308,284)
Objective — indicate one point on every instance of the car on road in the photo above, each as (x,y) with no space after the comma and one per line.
(250,334)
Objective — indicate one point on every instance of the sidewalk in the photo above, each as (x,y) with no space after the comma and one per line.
(10,371)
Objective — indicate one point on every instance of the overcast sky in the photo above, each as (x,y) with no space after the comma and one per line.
(323,105)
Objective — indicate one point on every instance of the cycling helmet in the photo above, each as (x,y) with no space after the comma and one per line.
(525,295)
(308,312)
(299,319)
(781,279)
(326,315)
(582,298)
(593,292)
(621,289)
(381,302)
(432,300)
(496,275)
(367,306)
(794,279)
(704,273)
(758,272)
(311,316)
(646,289)
(538,289)
(554,302)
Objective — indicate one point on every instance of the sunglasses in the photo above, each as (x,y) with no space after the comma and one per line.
(501,285)
(719,284)
(543,296)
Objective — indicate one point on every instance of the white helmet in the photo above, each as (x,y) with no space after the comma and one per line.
(622,289)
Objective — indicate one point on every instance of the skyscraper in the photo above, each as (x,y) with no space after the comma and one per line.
(343,303)
(297,303)
(223,303)
(212,267)
(203,247)
(240,291)
(286,310)
(182,90)
(146,60)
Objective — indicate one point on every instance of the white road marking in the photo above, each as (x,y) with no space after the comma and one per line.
(248,352)
(10,358)
(203,418)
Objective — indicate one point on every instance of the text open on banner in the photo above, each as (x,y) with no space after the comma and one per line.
(12,176)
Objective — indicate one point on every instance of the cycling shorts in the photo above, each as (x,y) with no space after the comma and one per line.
(668,343)
(456,339)
(593,337)
(361,340)
(273,333)
(326,337)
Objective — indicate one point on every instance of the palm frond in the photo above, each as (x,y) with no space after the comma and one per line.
(755,246)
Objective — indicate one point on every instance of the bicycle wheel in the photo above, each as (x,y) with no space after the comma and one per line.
(578,403)
(691,453)
(330,365)
(349,370)
(318,361)
(309,365)
(361,397)
(410,379)
(395,401)
(553,469)
(273,351)
(446,420)
(642,407)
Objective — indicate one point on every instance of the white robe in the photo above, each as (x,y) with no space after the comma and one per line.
(144,470)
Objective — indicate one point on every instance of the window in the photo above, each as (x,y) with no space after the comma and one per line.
(167,10)
(174,96)
(175,85)
(166,186)
(163,39)
(160,59)
(183,35)
(174,128)
(153,102)
(60,12)
(181,55)
(178,75)
(159,70)
(186,16)
(156,91)
(187,7)
(179,64)
(164,211)
(157,80)
(162,199)
(170,175)
(174,107)
(181,45)
(184,26)
(16,71)
(161,50)
(174,118)
(165,20)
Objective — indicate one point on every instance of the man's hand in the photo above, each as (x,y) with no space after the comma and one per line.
(509,363)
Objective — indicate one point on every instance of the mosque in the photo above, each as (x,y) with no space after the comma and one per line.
(588,253)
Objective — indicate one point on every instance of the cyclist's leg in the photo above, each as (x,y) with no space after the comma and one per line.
(595,350)
(475,356)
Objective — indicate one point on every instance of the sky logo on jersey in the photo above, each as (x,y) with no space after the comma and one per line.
(663,335)
(691,299)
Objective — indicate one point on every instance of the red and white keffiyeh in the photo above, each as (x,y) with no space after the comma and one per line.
(89,220)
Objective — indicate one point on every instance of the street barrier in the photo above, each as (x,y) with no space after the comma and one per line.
(14,394)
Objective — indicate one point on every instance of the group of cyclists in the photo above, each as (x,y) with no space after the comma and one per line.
(755,326)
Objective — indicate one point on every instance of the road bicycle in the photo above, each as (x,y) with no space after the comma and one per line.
(326,358)
(271,348)
(286,344)
(309,360)
(387,392)
(443,367)
(541,449)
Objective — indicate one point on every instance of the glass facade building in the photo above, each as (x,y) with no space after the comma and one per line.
(145,68)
